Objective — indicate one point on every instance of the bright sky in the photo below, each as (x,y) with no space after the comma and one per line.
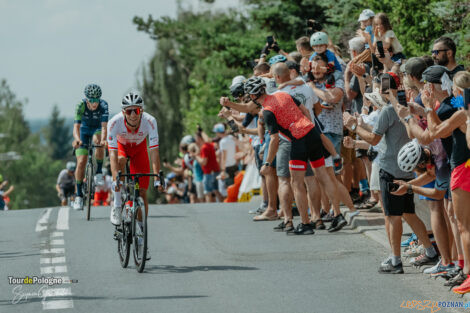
(52,48)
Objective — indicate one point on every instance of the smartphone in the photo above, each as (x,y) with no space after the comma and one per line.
(466,98)
(385,84)
(380,48)
(270,40)
(401,95)
(392,187)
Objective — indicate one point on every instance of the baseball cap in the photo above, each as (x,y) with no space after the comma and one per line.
(365,15)
(218,128)
(433,74)
(414,67)
(293,66)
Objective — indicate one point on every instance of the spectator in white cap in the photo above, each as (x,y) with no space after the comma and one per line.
(366,19)
(227,145)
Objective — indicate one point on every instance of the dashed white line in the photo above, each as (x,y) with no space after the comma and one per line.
(57,242)
(53,260)
(53,251)
(63,218)
(57,234)
(57,304)
(42,222)
(54,269)
(57,292)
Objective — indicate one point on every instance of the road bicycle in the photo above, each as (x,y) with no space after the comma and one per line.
(133,206)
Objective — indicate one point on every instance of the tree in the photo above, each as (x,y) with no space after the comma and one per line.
(58,136)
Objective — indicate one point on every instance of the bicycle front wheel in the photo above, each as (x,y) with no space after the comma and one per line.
(140,236)
(89,189)
(124,238)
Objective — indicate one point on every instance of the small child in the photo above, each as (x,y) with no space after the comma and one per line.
(319,43)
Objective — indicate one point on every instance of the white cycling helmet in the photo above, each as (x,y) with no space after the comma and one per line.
(132,99)
(409,156)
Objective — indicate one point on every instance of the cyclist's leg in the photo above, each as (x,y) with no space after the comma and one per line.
(63,196)
(99,152)
(139,163)
(82,157)
(118,163)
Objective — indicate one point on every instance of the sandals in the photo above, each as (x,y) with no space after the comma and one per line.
(262,217)
(367,205)
(289,226)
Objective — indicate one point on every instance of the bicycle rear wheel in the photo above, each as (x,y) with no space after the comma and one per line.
(89,188)
(140,241)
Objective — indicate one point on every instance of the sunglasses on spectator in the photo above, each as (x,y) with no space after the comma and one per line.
(136,111)
(438,51)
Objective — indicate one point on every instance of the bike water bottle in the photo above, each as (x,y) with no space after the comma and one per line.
(128,207)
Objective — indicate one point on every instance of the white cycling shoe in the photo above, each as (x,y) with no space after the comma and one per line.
(99,179)
(115,216)
(78,203)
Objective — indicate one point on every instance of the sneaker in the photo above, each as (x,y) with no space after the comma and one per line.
(457,280)
(354,213)
(337,164)
(464,287)
(414,250)
(78,203)
(327,218)
(115,216)
(387,267)
(99,179)
(406,243)
(259,210)
(338,223)
(439,269)
(319,224)
(423,259)
(302,229)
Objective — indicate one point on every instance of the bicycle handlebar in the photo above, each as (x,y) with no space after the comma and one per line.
(136,176)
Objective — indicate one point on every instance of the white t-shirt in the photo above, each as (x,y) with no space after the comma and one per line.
(396,45)
(118,132)
(228,144)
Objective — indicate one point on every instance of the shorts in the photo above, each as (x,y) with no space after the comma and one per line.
(210,183)
(336,140)
(460,177)
(67,191)
(374,183)
(429,185)
(199,189)
(231,170)
(283,157)
(87,133)
(267,140)
(258,161)
(307,148)
(2,203)
(139,160)
(360,153)
(394,205)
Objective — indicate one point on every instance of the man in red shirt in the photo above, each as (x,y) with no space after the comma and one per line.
(210,167)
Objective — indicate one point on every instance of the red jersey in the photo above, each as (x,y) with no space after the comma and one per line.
(288,117)
(208,151)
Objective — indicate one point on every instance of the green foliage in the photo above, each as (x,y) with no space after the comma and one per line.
(34,175)
(58,136)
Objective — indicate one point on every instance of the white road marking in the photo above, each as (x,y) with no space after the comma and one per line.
(57,292)
(57,304)
(42,222)
(54,269)
(63,218)
(57,242)
(52,260)
(53,251)
(57,233)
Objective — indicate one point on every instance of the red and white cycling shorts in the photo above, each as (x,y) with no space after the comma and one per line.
(139,160)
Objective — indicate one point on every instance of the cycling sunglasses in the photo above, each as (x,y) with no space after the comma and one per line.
(92,100)
(136,111)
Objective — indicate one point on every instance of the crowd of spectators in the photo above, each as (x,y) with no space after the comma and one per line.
(369,130)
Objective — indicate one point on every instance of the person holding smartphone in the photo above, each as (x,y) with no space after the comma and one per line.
(389,127)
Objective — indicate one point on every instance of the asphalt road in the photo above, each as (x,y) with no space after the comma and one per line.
(205,258)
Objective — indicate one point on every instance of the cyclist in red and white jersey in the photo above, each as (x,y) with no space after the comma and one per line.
(127,138)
